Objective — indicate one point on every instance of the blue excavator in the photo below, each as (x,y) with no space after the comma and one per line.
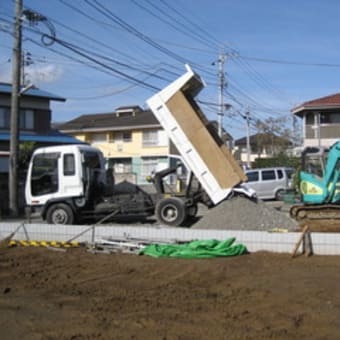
(319,188)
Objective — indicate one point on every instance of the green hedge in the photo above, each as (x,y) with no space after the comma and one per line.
(280,160)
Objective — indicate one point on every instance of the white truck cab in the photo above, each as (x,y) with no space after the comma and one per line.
(59,171)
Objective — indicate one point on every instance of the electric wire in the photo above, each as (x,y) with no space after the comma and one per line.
(172,21)
(106,12)
(76,50)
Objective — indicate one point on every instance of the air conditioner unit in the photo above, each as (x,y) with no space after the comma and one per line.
(120,147)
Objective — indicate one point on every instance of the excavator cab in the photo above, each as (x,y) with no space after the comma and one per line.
(320,189)
(311,176)
(320,175)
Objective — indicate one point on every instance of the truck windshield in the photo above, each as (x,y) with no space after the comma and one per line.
(44,178)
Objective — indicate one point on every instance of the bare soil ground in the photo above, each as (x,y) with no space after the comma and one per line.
(46,294)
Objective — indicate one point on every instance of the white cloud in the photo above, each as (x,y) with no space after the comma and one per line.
(6,75)
(44,74)
(37,75)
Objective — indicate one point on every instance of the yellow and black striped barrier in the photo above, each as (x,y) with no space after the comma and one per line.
(55,244)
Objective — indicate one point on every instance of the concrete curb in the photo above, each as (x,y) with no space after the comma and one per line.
(279,242)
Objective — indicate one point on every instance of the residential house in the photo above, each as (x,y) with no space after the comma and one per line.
(131,139)
(321,120)
(262,145)
(34,126)
(34,121)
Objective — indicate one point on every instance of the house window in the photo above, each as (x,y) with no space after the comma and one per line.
(310,118)
(98,138)
(150,138)
(125,137)
(149,165)
(4,117)
(154,138)
(330,118)
(26,119)
(325,118)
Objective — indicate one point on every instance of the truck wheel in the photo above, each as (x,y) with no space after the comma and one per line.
(59,213)
(171,211)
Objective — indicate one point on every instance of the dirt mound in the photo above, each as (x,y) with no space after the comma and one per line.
(241,213)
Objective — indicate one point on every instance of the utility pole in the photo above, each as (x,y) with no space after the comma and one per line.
(26,61)
(17,60)
(247,118)
(15,107)
(221,60)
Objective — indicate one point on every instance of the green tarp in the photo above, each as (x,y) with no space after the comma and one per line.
(196,249)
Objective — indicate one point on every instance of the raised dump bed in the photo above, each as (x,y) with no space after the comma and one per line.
(202,150)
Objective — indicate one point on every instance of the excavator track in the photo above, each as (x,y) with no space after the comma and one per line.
(320,218)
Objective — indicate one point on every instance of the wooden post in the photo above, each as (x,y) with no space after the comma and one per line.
(304,231)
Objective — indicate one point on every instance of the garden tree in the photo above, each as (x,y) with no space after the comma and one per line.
(273,135)
(25,153)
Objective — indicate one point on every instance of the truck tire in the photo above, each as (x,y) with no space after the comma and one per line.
(59,213)
(171,211)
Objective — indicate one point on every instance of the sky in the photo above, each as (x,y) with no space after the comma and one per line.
(103,54)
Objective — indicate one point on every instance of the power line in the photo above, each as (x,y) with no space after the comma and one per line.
(129,28)
(91,39)
(85,53)
(287,62)
(76,50)
(173,22)
(259,79)
(197,27)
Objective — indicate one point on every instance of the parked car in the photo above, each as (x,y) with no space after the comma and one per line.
(270,183)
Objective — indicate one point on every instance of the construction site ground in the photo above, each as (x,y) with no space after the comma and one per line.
(49,293)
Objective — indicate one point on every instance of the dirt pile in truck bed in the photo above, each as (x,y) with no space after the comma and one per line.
(240,213)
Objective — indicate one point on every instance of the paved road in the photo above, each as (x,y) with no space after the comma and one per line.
(35,218)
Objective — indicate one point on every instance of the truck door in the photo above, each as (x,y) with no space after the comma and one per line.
(45,174)
(70,177)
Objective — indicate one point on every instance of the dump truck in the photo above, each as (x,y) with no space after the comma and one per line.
(69,183)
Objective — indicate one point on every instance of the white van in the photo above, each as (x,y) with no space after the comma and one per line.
(270,183)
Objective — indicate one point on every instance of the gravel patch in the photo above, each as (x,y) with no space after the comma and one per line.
(240,213)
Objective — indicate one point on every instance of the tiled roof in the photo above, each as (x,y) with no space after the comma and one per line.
(110,121)
(51,137)
(331,101)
